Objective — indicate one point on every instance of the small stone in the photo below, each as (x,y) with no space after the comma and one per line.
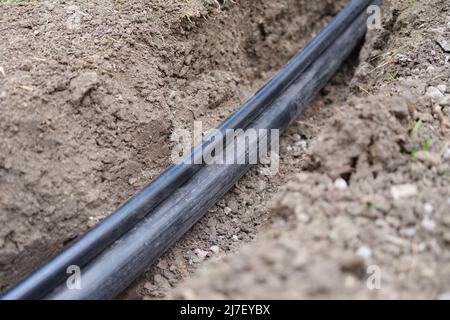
(188,60)
(428,224)
(364,252)
(92,222)
(201,254)
(302,144)
(409,232)
(235,238)
(233,205)
(214,249)
(434,93)
(403,58)
(132,181)
(428,208)
(172,268)
(442,88)
(443,43)
(50,5)
(341,184)
(163,264)
(212,238)
(404,191)
(192,257)
(303,217)
(227,210)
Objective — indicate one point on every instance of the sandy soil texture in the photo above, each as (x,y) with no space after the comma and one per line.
(91,91)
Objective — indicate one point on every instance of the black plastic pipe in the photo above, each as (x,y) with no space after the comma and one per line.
(115,268)
(93,242)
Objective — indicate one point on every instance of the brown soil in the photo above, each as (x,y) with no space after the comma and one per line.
(87,112)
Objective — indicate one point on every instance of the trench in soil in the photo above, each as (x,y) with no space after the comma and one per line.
(97,124)
(91,93)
